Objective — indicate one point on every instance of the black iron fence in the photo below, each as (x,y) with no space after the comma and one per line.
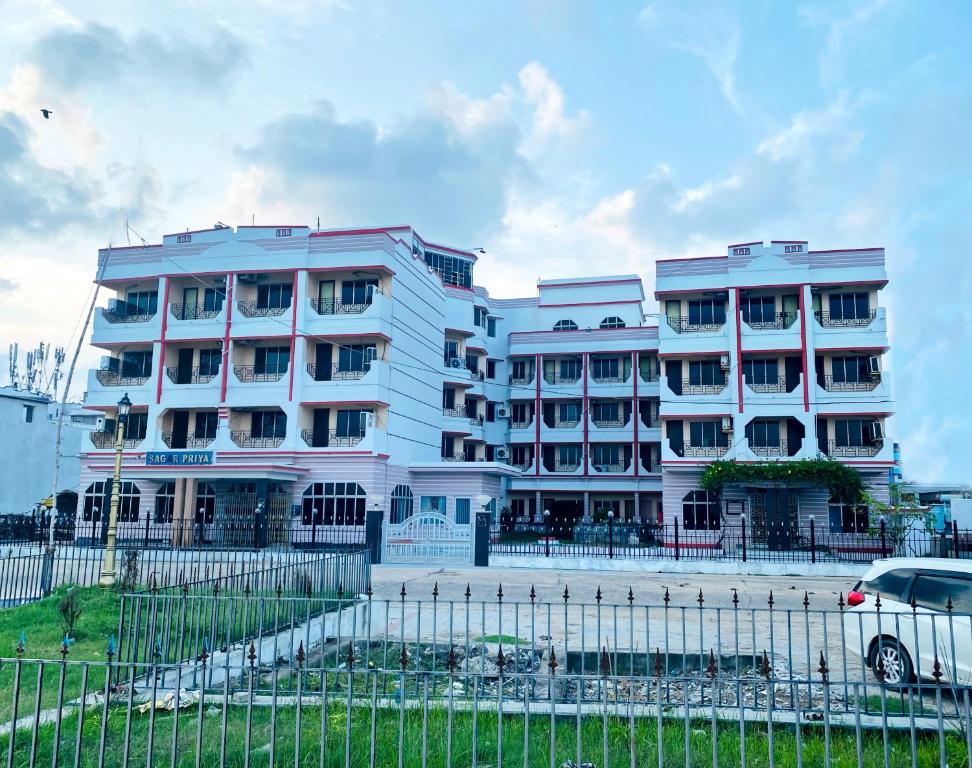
(525,679)
(710,538)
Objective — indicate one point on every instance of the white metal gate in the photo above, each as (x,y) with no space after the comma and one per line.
(428,537)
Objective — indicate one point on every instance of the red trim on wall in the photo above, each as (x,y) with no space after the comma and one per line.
(851,250)
(226,336)
(739,370)
(771,351)
(690,258)
(852,349)
(635,412)
(803,349)
(165,324)
(585,413)
(589,304)
(713,353)
(571,284)
(693,415)
(293,337)
(537,373)
(829,415)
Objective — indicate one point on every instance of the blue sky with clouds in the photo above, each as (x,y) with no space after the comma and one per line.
(567,138)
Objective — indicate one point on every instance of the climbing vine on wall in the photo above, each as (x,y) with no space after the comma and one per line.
(844,482)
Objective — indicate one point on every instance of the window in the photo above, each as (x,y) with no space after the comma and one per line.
(479,316)
(612,322)
(604,506)
(183,238)
(570,369)
(761,372)
(450,269)
(356,357)
(435,504)
(351,423)
(97,502)
(606,368)
(212,300)
(272,361)
(205,508)
(468,451)
(28,413)
(209,361)
(490,410)
(849,306)
(707,434)
(165,502)
(268,424)
(608,411)
(141,302)
(491,327)
(605,455)
(522,369)
(401,503)
(451,350)
(522,455)
(357,292)
(763,433)
(136,425)
(706,312)
(490,369)
(206,424)
(472,362)
(447,448)
(848,518)
(283,232)
(333,504)
(933,591)
(703,372)
(569,412)
(137,365)
(462,511)
(756,310)
(568,455)
(274,295)
(890,584)
(521,413)
(853,432)
(565,325)
(849,370)
(700,512)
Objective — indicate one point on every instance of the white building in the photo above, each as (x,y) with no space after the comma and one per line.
(307,372)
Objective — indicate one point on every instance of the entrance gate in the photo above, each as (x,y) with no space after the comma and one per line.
(428,537)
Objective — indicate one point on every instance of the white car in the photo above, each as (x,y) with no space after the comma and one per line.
(923,618)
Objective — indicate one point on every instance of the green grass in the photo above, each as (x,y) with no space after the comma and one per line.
(231,744)
(494,639)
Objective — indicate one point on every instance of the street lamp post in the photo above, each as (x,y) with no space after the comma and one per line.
(546,532)
(108,563)
(610,516)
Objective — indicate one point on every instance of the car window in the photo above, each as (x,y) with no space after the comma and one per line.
(892,585)
(933,592)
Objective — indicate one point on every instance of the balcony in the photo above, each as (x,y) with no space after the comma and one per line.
(651,420)
(246,439)
(610,468)
(114,317)
(864,385)
(780,449)
(249,374)
(685,325)
(703,451)
(523,466)
(253,309)
(610,423)
(565,466)
(334,307)
(459,412)
(109,378)
(559,423)
(767,387)
(521,381)
(521,424)
(186,441)
(779,321)
(827,320)
(194,311)
(689,388)
(559,378)
(609,378)
(107,440)
(336,372)
(852,451)
(190,375)
(333,439)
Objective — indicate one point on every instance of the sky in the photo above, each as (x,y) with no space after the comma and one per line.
(565,138)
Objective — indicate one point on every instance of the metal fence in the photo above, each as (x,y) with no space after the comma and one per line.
(741,541)
(522,679)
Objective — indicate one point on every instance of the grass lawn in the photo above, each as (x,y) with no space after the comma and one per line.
(232,742)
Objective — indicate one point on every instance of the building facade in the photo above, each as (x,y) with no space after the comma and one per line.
(291,379)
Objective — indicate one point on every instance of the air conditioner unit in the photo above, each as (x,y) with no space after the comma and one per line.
(727,423)
(877,431)
(99,424)
(873,366)
(724,362)
(501,454)
(502,413)
(367,420)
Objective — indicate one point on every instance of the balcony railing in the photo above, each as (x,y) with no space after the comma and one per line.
(685,325)
(253,309)
(777,321)
(703,451)
(521,381)
(191,376)
(107,440)
(649,377)
(651,420)
(187,441)
(864,385)
(521,424)
(689,388)
(768,386)
(332,307)
(249,373)
(459,412)
(332,439)
(827,320)
(560,378)
(246,439)
(126,317)
(456,459)
(609,378)
(562,423)
(610,423)
(454,361)
(194,311)
(337,373)
(571,466)
(523,467)
(109,378)
(607,468)
(476,419)
(780,449)
(851,451)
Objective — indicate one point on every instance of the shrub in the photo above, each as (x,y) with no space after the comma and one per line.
(70,610)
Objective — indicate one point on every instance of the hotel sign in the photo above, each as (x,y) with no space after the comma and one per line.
(178,458)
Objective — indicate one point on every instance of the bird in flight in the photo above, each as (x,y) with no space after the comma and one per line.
(46,113)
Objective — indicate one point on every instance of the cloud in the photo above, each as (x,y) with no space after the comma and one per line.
(7,286)
(706,30)
(95,54)
(842,22)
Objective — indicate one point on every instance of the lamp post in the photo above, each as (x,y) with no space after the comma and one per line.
(546,532)
(610,516)
(107,578)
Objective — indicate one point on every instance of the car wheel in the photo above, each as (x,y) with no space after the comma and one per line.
(891,663)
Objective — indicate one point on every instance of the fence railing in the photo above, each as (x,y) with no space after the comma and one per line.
(710,538)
